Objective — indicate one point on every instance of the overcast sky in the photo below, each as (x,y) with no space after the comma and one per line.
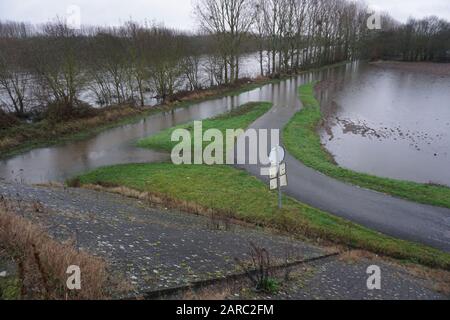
(174,13)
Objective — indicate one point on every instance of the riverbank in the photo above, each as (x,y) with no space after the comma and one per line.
(303,142)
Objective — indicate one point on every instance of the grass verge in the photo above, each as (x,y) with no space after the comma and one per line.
(232,193)
(239,118)
(303,142)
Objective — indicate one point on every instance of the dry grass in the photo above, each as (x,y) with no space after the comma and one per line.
(9,142)
(198,95)
(353,256)
(42,262)
(439,280)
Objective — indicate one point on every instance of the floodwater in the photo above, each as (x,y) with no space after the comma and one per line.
(400,107)
(390,122)
(116,146)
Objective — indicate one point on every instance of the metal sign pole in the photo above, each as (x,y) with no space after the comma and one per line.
(280,203)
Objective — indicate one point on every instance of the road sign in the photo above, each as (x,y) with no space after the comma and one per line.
(277,155)
(282,169)
(274,184)
(283,181)
(278,172)
(273,172)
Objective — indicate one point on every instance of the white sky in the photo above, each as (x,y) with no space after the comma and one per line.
(174,13)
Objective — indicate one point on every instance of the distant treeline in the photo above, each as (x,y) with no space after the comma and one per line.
(427,39)
(51,66)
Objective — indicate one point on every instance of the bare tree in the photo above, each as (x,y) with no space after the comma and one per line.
(229,21)
(14,78)
(57,66)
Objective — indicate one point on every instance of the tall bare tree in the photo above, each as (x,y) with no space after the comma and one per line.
(228,21)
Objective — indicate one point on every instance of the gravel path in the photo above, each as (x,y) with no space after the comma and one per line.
(153,247)
(338,279)
(335,279)
(157,249)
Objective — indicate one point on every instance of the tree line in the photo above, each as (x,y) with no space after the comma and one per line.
(290,34)
(52,67)
(417,40)
(55,65)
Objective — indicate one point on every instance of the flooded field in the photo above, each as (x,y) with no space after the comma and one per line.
(390,120)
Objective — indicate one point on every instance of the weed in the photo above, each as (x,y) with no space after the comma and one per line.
(259,269)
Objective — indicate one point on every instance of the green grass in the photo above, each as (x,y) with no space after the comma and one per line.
(226,189)
(302,140)
(239,118)
(9,288)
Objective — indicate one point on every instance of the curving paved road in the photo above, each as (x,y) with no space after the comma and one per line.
(392,216)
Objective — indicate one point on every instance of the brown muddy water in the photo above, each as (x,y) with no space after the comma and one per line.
(384,122)
(390,122)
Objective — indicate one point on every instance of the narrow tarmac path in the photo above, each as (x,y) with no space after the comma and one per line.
(392,216)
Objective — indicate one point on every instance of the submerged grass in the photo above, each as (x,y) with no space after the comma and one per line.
(303,142)
(226,190)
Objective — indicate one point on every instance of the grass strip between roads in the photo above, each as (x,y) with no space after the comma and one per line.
(239,118)
(302,140)
(231,193)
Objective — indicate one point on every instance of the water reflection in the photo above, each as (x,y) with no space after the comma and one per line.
(390,123)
